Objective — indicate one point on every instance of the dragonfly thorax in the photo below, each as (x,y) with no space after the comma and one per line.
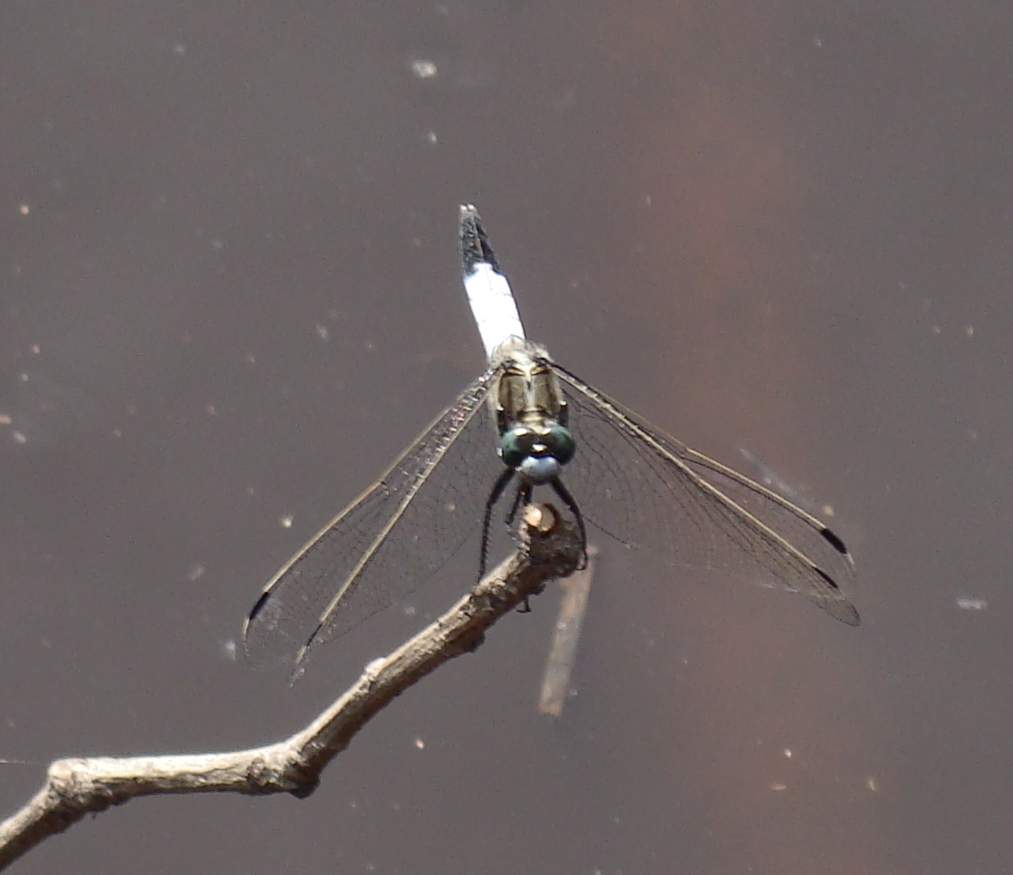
(530,411)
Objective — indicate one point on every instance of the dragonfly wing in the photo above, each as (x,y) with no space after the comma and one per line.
(644,487)
(394,536)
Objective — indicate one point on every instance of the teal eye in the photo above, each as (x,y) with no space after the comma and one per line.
(515,446)
(560,443)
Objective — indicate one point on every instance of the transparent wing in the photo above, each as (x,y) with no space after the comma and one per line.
(388,541)
(646,488)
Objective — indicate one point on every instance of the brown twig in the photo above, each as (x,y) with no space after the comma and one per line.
(563,650)
(75,787)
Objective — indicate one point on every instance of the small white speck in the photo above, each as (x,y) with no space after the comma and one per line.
(218,244)
(286,520)
(19,437)
(431,138)
(250,491)
(179,49)
(24,209)
(23,377)
(250,358)
(195,573)
(648,201)
(968,603)
(787,753)
(969,330)
(210,409)
(423,68)
(871,784)
(323,332)
(230,649)
(409,610)
(778,787)
(818,42)
(117,433)
(420,744)
(35,348)
(369,346)
(937,330)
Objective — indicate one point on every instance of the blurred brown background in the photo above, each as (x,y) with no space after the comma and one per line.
(230,294)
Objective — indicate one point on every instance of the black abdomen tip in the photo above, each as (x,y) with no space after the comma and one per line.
(475,247)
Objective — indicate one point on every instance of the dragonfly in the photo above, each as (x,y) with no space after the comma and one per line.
(529,423)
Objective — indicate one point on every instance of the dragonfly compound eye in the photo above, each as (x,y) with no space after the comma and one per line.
(515,445)
(560,443)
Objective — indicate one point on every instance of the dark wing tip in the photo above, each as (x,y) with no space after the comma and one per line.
(299,667)
(827,578)
(475,247)
(834,540)
(254,611)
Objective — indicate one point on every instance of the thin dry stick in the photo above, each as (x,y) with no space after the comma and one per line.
(563,651)
(74,787)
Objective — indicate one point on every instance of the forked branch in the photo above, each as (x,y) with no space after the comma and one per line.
(75,787)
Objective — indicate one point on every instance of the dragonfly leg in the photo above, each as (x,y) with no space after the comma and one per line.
(515,506)
(570,502)
(490,503)
(522,498)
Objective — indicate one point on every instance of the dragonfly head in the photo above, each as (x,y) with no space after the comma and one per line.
(537,454)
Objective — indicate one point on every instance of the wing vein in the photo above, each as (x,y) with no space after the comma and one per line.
(784,560)
(419,481)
